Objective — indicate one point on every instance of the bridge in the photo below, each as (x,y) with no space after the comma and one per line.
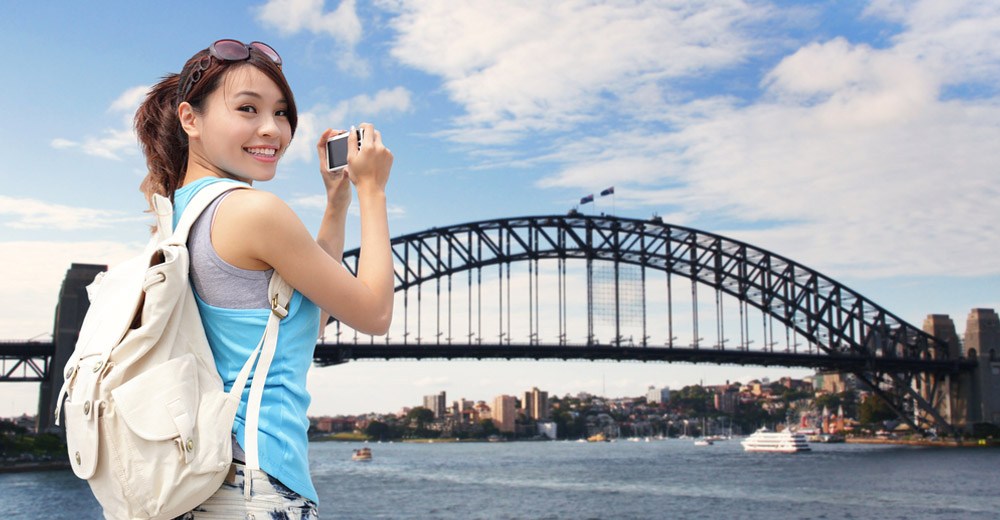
(618,289)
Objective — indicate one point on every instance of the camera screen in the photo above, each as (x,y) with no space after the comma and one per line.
(336,153)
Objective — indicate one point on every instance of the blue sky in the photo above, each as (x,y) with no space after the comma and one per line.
(858,138)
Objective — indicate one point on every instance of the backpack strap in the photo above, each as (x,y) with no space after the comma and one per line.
(280,294)
(197,205)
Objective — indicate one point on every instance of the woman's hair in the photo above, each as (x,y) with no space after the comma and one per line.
(163,141)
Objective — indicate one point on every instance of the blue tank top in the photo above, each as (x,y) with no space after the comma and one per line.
(283,442)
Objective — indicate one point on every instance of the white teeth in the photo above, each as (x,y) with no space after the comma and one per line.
(262,151)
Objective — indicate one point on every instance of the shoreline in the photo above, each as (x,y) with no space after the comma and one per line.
(938,443)
(21,467)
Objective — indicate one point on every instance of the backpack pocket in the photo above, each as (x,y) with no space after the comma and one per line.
(82,439)
(162,403)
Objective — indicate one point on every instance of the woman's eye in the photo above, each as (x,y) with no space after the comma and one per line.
(281,113)
(248,108)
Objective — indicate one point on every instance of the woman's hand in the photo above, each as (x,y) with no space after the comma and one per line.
(338,189)
(368,167)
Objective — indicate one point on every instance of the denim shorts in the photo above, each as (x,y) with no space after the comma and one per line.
(260,497)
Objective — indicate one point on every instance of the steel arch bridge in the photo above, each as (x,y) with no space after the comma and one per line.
(851,333)
(845,331)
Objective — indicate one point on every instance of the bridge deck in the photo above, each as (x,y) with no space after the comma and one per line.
(333,353)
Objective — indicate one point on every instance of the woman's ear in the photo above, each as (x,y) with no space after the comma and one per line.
(188,118)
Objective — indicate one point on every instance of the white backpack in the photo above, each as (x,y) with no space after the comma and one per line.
(148,424)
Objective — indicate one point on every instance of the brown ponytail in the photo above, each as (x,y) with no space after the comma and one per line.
(163,142)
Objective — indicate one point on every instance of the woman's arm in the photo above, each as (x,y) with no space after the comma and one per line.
(338,197)
(256,230)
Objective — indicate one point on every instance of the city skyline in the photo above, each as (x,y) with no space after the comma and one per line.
(857,138)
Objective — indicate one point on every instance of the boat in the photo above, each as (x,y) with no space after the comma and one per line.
(764,440)
(362,455)
(703,442)
(598,437)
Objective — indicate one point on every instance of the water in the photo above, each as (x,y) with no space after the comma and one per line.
(659,479)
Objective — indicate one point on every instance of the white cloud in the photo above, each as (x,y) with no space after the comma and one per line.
(129,100)
(292,16)
(36,214)
(353,111)
(958,39)
(112,143)
(342,25)
(852,159)
(555,66)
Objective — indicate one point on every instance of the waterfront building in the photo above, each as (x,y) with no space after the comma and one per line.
(536,404)
(504,413)
(459,408)
(436,404)
(654,396)
(483,410)
(726,401)
(834,382)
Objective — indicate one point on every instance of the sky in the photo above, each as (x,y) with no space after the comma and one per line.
(857,138)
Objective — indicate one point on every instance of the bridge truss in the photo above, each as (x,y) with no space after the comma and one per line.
(841,329)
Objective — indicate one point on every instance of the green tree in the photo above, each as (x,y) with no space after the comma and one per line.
(420,416)
(874,410)
(488,428)
(378,430)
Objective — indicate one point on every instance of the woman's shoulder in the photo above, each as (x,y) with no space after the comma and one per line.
(255,211)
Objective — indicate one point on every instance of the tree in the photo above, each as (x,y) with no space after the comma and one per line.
(377,430)
(874,410)
(488,428)
(421,416)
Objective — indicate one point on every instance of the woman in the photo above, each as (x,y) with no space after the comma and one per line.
(228,117)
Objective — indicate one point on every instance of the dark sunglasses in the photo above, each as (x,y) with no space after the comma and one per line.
(226,50)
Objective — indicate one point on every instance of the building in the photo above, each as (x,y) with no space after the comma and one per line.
(654,396)
(436,404)
(483,411)
(834,382)
(726,401)
(536,404)
(504,413)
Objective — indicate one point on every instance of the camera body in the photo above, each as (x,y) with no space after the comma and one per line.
(336,150)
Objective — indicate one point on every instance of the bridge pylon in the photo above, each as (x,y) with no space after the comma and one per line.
(982,342)
(72,306)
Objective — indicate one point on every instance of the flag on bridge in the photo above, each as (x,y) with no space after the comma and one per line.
(588,198)
(609,191)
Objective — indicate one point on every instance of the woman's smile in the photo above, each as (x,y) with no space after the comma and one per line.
(263,153)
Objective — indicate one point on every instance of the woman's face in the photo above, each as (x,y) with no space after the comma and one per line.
(244,128)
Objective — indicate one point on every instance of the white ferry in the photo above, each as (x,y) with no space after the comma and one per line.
(779,442)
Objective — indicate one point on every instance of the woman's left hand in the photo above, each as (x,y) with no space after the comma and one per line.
(338,186)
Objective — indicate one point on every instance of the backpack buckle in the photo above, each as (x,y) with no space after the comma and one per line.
(277,309)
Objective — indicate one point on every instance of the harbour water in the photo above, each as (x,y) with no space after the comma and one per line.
(618,480)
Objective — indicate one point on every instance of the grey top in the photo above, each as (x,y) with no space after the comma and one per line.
(217,282)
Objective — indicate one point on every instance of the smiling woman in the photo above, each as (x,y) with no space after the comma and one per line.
(228,117)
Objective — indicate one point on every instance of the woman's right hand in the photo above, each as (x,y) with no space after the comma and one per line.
(368,167)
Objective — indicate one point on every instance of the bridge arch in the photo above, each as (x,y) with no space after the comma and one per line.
(837,319)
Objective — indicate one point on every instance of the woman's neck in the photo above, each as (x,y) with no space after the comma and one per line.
(196,171)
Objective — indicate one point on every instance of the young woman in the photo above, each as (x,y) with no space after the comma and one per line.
(228,117)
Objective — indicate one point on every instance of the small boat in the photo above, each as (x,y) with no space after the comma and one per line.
(703,442)
(598,437)
(764,440)
(362,455)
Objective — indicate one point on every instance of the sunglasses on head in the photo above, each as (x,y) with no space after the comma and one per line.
(227,50)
